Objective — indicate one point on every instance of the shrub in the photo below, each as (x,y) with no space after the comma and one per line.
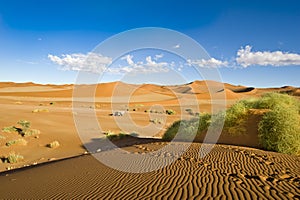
(279,130)
(113,137)
(156,121)
(30,132)
(18,141)
(9,129)
(25,124)
(14,158)
(40,110)
(235,119)
(188,129)
(53,144)
(170,112)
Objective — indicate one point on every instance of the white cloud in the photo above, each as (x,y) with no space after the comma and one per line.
(90,62)
(158,56)
(210,63)
(176,46)
(150,66)
(246,57)
(97,63)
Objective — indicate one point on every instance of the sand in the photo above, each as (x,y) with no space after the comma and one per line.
(228,171)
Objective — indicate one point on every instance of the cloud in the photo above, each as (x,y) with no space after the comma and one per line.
(149,66)
(97,63)
(246,57)
(176,46)
(158,56)
(209,63)
(91,62)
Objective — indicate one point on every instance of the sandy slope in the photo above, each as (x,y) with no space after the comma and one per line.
(229,171)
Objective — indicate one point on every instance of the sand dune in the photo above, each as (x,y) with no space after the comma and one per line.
(227,172)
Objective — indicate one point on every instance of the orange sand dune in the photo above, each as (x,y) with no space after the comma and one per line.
(227,172)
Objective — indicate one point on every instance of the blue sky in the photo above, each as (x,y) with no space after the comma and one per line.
(37,36)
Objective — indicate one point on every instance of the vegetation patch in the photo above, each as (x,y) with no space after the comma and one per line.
(20,141)
(9,129)
(53,144)
(12,158)
(23,128)
(156,121)
(279,129)
(38,110)
(170,112)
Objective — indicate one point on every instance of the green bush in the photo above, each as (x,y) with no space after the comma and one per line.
(188,129)
(25,124)
(9,129)
(279,130)
(13,158)
(170,112)
(18,141)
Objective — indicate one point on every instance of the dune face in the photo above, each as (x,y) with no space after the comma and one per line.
(226,172)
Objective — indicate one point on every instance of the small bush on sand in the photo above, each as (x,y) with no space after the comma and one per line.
(31,132)
(23,131)
(53,144)
(279,130)
(18,142)
(156,121)
(24,123)
(170,112)
(9,129)
(114,137)
(37,110)
(2,137)
(13,158)
(188,129)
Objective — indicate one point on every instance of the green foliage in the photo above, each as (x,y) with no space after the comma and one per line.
(53,144)
(113,136)
(235,119)
(188,129)
(25,124)
(170,112)
(279,130)
(18,141)
(13,158)
(31,132)
(9,129)
(156,121)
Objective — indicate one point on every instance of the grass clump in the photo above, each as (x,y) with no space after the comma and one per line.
(25,124)
(12,158)
(38,110)
(156,121)
(31,132)
(113,136)
(24,131)
(170,112)
(53,144)
(2,137)
(18,142)
(9,129)
(188,129)
(279,130)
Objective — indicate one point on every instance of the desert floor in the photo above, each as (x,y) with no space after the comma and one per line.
(71,171)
